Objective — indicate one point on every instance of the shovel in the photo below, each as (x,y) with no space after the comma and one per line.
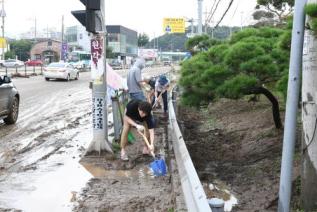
(158,166)
(157,99)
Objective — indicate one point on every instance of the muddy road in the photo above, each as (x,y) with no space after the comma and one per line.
(39,169)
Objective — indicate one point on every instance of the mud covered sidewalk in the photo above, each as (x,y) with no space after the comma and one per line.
(129,186)
(235,147)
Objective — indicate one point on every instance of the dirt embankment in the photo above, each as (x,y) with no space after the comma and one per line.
(235,143)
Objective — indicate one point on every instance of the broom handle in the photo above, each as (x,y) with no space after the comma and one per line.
(146,142)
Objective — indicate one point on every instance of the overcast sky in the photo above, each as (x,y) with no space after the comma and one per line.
(140,15)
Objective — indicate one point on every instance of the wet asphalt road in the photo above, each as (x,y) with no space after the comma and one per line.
(39,169)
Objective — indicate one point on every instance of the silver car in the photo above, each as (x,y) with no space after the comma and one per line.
(9,100)
(61,70)
(13,63)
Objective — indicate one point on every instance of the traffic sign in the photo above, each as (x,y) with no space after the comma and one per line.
(174,25)
(3,43)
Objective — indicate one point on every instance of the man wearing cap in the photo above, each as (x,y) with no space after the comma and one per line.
(161,86)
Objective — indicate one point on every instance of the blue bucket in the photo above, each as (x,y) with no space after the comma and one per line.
(158,167)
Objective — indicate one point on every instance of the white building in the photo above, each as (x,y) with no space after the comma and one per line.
(77,38)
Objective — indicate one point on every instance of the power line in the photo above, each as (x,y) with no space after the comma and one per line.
(209,14)
(213,11)
(224,13)
(235,11)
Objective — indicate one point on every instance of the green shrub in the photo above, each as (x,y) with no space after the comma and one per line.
(311,9)
(236,87)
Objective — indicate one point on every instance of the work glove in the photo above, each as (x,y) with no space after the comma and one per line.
(139,127)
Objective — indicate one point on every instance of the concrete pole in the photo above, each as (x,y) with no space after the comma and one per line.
(309,114)
(200,17)
(3,16)
(35,29)
(99,95)
(61,57)
(192,26)
(241,21)
(291,107)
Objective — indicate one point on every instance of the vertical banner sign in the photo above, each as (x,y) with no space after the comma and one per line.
(97,72)
(97,113)
(64,51)
(97,59)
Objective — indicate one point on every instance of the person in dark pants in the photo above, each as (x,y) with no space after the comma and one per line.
(161,86)
(150,93)
(137,114)
(135,81)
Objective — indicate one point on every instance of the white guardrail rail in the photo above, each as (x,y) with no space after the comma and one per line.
(195,197)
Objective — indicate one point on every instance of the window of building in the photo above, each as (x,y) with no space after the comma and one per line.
(113,37)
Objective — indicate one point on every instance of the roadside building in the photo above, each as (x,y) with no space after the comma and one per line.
(124,43)
(47,51)
(77,38)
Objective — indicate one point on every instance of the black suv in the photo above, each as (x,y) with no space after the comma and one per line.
(9,100)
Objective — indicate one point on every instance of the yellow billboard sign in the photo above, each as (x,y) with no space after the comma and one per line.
(3,43)
(174,25)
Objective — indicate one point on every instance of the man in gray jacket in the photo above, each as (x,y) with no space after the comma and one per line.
(134,80)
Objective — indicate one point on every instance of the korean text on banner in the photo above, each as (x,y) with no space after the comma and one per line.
(174,25)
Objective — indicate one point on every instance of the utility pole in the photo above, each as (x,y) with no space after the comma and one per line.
(192,26)
(35,29)
(94,20)
(62,43)
(3,15)
(309,118)
(200,17)
(241,21)
(291,107)
(206,22)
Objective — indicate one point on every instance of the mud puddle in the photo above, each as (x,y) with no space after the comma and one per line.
(48,185)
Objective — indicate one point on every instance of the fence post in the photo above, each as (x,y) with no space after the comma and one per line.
(41,69)
(116,119)
(34,69)
(16,69)
(6,71)
(25,70)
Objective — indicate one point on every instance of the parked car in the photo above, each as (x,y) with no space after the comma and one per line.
(9,100)
(167,62)
(149,63)
(115,64)
(13,63)
(1,63)
(82,65)
(34,63)
(60,70)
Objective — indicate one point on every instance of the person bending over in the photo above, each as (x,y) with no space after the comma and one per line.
(137,114)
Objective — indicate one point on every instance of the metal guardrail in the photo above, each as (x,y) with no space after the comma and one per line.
(195,197)
(22,70)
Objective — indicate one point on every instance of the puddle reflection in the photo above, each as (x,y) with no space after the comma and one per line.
(101,172)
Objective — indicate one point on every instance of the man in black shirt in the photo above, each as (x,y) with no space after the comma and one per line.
(137,111)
